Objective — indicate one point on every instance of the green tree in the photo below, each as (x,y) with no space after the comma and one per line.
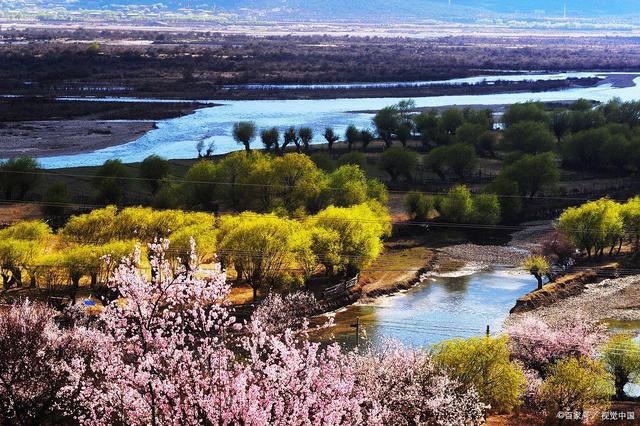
(583,149)
(357,158)
(352,136)
(457,205)
(259,246)
(110,181)
(508,193)
(404,133)
(58,199)
(200,185)
(13,254)
(28,241)
(360,229)
(560,121)
(461,159)
(527,111)
(593,226)
(427,124)
(538,267)
(418,205)
(386,122)
(244,132)
(306,136)
(291,137)
(630,212)
(95,227)
(18,176)
(437,160)
(323,161)
(486,209)
(366,137)
(153,169)
(347,186)
(331,138)
(533,173)
(621,358)
(451,120)
(297,181)
(483,363)
(270,138)
(529,137)
(576,385)
(486,143)
(399,161)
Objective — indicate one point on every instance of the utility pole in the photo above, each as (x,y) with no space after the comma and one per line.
(488,331)
(357,327)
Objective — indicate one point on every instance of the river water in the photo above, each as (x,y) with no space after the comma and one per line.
(458,304)
(176,138)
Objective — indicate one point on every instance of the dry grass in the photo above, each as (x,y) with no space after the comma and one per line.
(400,261)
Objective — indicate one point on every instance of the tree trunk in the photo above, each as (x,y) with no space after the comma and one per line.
(255,292)
(539,278)
(34,280)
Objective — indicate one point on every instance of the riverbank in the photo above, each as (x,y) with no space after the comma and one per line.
(45,127)
(609,300)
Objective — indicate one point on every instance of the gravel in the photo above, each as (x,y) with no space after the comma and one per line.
(616,299)
(488,255)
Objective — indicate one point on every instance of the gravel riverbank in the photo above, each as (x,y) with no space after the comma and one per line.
(612,299)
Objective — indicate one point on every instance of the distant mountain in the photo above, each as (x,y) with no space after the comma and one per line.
(382,10)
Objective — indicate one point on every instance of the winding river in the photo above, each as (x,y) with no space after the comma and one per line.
(458,304)
(176,138)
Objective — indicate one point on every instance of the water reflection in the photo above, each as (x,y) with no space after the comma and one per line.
(439,308)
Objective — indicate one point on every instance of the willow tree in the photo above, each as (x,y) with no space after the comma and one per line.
(360,229)
(260,247)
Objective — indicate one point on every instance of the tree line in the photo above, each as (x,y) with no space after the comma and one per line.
(267,251)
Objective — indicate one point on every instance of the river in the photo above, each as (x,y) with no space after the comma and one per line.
(176,138)
(458,304)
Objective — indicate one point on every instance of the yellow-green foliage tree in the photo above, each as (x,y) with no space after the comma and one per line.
(538,267)
(25,244)
(261,247)
(630,212)
(621,357)
(263,183)
(359,229)
(577,385)
(594,226)
(483,363)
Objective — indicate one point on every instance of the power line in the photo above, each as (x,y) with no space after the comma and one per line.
(267,185)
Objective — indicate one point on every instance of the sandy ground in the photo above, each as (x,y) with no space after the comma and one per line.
(612,299)
(49,138)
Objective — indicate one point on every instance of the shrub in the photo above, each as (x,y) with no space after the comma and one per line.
(483,363)
(486,209)
(457,205)
(323,161)
(399,161)
(621,357)
(418,206)
(153,169)
(577,384)
(110,181)
(356,158)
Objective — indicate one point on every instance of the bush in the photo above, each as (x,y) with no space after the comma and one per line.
(399,161)
(356,158)
(483,363)
(153,169)
(486,209)
(323,161)
(529,137)
(527,111)
(418,206)
(110,181)
(576,384)
(18,176)
(457,205)
(621,358)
